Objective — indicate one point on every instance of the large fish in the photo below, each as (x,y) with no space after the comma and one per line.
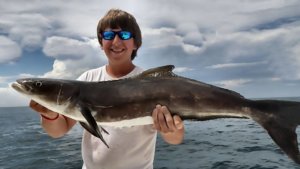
(129,102)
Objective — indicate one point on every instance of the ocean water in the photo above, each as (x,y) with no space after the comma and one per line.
(214,144)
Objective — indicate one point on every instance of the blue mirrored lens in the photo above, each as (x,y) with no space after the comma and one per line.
(125,35)
(108,35)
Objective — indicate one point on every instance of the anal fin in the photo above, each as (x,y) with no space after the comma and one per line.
(92,131)
(92,126)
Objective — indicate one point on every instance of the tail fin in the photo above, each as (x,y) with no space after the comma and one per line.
(280,119)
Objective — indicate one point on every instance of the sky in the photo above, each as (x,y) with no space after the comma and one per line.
(249,46)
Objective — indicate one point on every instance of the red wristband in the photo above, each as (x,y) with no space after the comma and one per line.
(47,118)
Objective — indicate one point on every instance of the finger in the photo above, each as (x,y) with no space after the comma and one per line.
(169,119)
(32,104)
(155,119)
(162,121)
(37,107)
(178,122)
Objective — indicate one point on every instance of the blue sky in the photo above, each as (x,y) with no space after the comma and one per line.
(249,46)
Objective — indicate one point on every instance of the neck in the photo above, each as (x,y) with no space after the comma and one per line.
(119,70)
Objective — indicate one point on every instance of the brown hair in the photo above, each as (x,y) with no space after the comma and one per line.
(116,18)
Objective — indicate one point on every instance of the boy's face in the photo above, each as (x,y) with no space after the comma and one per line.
(118,51)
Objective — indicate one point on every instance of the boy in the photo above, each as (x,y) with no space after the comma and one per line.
(120,38)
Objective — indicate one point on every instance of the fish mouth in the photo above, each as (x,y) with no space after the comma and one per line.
(20,87)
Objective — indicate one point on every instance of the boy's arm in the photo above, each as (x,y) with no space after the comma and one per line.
(54,124)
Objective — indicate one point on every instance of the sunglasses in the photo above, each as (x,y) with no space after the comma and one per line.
(110,35)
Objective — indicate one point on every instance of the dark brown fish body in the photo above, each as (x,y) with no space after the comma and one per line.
(187,98)
(130,102)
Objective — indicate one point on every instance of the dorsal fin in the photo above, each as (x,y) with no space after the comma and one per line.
(162,71)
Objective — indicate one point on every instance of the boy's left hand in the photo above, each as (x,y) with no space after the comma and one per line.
(164,121)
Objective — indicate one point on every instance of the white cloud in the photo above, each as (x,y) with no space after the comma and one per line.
(12,98)
(284,56)
(25,75)
(6,80)
(191,49)
(233,83)
(9,50)
(275,79)
(234,39)
(73,57)
(234,65)
(161,38)
(28,29)
(3,79)
(182,69)
(65,48)
(187,27)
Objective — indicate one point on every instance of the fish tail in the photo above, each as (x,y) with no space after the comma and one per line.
(280,119)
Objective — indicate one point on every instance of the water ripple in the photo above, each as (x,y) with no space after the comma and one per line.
(215,144)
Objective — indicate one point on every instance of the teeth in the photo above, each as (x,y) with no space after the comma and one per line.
(117,51)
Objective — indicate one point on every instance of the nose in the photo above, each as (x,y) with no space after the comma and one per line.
(117,40)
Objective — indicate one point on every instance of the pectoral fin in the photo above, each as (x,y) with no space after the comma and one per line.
(92,126)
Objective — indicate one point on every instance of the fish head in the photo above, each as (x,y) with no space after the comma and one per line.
(47,91)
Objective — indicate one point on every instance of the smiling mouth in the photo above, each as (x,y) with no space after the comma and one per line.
(117,51)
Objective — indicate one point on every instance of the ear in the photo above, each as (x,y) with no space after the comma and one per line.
(135,47)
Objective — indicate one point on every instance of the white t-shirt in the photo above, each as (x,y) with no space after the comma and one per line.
(130,147)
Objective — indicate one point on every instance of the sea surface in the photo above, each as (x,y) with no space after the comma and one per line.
(213,144)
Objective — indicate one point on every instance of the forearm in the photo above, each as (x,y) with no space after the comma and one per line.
(54,124)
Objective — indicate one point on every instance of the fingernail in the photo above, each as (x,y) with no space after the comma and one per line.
(178,125)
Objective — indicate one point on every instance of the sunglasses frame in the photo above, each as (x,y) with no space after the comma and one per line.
(119,33)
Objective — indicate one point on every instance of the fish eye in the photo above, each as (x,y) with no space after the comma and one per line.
(38,84)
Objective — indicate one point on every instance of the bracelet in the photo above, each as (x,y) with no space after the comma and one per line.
(47,118)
